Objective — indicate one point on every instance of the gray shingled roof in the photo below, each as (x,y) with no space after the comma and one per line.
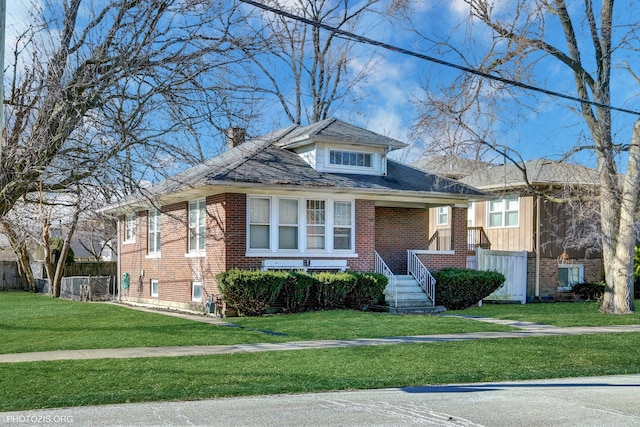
(334,130)
(262,161)
(539,172)
(450,166)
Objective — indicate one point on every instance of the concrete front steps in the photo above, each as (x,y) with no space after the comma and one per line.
(411,297)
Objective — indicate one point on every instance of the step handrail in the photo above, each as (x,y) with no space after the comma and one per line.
(423,276)
(383,268)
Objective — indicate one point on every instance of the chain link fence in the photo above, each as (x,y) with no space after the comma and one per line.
(83,288)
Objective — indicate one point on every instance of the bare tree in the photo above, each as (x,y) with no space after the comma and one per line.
(306,69)
(91,81)
(526,37)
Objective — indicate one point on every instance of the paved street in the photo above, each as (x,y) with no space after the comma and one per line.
(597,401)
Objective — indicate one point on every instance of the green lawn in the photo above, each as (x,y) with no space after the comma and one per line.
(557,314)
(30,322)
(92,382)
(33,322)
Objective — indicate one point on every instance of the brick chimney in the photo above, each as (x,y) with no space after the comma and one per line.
(236,136)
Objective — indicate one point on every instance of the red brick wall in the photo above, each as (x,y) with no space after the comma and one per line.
(391,231)
(397,231)
(174,271)
(365,229)
(549,275)
(435,261)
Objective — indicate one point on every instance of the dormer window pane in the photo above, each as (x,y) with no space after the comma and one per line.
(350,158)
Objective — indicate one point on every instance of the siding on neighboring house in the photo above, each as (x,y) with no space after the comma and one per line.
(519,238)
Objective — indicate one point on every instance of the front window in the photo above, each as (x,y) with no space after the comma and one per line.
(130,228)
(259,223)
(196,291)
(288,224)
(342,225)
(154,232)
(154,288)
(504,212)
(316,224)
(443,215)
(197,225)
(350,158)
(299,225)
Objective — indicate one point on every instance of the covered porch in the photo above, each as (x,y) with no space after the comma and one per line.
(404,255)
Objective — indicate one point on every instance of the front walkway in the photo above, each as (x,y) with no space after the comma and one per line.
(525,330)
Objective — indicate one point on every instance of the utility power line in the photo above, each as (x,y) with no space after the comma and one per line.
(365,40)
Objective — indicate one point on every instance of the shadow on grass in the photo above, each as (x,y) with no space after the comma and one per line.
(471,388)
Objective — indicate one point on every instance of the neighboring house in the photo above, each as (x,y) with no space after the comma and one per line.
(323,196)
(518,219)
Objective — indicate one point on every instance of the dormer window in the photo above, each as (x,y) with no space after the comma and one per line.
(350,158)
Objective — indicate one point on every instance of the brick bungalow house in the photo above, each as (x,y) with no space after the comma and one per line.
(324,196)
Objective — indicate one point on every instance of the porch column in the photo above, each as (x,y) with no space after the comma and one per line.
(459,235)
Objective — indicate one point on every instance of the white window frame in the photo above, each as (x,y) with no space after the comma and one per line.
(155,282)
(315,225)
(197,211)
(268,224)
(503,211)
(569,286)
(286,225)
(194,285)
(130,228)
(329,228)
(471,215)
(350,153)
(442,215)
(154,249)
(350,226)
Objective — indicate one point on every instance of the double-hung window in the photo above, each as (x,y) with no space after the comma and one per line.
(504,212)
(300,225)
(442,215)
(288,224)
(342,225)
(154,232)
(130,228)
(155,285)
(259,223)
(196,291)
(197,226)
(316,225)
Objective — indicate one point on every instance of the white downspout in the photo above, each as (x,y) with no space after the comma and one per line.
(118,262)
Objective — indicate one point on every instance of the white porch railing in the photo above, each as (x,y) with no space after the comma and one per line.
(382,268)
(416,268)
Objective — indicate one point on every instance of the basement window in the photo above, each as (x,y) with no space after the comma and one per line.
(569,275)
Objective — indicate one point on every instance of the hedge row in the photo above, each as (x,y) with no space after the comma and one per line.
(459,288)
(253,292)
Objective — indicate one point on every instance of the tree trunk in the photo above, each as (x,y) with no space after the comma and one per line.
(19,247)
(618,258)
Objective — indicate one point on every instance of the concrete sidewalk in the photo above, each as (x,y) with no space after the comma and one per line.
(525,330)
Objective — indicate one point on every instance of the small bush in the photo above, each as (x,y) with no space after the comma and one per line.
(589,291)
(296,290)
(368,288)
(331,289)
(459,288)
(251,292)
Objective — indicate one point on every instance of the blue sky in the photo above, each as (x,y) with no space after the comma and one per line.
(389,92)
